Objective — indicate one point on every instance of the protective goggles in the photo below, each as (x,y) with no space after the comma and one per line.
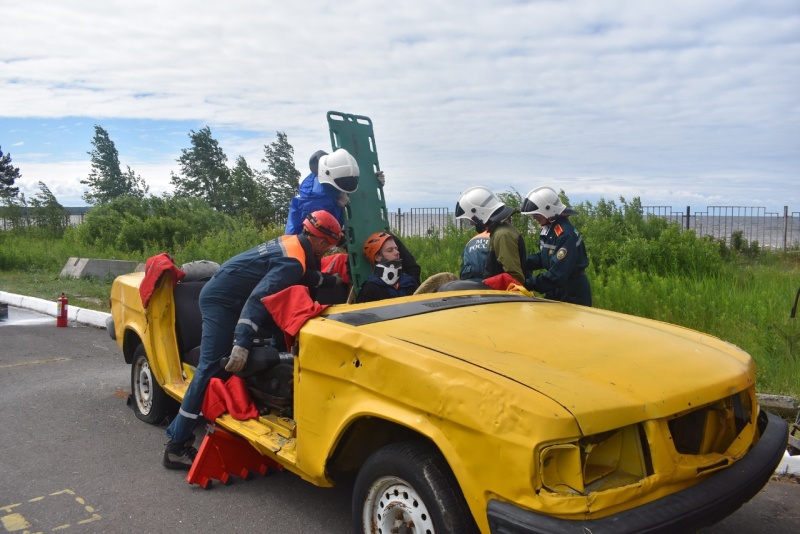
(528,206)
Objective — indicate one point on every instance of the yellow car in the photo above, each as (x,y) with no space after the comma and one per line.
(486,411)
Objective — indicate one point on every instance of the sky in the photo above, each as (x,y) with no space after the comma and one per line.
(679,103)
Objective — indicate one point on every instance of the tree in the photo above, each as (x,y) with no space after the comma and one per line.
(8,173)
(47,213)
(15,213)
(106,181)
(204,173)
(283,179)
(249,195)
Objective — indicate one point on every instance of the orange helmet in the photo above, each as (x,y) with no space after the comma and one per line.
(322,224)
(373,245)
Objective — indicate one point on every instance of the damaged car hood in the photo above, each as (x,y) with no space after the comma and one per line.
(605,368)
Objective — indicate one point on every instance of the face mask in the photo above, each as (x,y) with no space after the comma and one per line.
(343,199)
(388,271)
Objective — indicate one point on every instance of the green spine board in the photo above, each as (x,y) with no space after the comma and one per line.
(366,212)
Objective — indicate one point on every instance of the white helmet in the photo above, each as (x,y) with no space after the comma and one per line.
(481,206)
(340,170)
(542,201)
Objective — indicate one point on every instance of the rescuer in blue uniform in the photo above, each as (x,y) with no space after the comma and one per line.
(474,257)
(333,178)
(562,251)
(506,247)
(233,314)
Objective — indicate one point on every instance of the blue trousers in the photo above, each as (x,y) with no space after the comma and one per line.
(220,308)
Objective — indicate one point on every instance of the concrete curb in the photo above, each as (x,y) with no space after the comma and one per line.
(74,313)
(789,466)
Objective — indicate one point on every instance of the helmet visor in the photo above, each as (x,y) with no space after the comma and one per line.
(528,207)
(348,184)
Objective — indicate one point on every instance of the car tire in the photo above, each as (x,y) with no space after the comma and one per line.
(410,485)
(149,401)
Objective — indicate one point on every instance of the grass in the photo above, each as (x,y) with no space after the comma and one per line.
(90,293)
(745,300)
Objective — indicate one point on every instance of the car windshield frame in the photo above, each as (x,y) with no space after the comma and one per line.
(400,310)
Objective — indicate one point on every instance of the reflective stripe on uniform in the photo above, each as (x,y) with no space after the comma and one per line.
(249,323)
(291,248)
(187,414)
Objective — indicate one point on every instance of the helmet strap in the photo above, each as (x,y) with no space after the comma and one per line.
(479,226)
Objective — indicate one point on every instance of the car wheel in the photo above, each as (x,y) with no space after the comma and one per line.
(408,487)
(150,403)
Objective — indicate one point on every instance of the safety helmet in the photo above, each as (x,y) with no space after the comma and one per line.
(481,206)
(313,161)
(373,245)
(339,169)
(320,223)
(542,201)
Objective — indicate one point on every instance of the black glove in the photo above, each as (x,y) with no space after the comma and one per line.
(331,280)
(316,279)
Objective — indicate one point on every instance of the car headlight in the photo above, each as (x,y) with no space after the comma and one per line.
(622,456)
(595,463)
(712,428)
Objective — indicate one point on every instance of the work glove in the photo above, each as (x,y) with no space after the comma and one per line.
(381,178)
(237,360)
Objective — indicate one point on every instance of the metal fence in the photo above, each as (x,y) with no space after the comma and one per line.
(421,221)
(7,224)
(775,231)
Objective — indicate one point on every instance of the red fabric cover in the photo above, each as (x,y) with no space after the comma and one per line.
(501,281)
(336,263)
(229,396)
(291,308)
(154,267)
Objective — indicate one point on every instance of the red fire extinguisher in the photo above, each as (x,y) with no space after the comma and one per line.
(61,310)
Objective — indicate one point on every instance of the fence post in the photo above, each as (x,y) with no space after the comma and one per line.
(785,226)
(400,229)
(688,211)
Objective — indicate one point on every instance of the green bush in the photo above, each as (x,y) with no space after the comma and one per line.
(130,224)
(623,236)
(220,244)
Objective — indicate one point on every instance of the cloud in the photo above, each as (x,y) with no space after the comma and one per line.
(683,100)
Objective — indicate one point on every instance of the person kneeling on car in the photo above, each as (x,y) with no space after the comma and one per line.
(232,312)
(387,279)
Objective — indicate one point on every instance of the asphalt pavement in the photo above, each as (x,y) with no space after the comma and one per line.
(76,460)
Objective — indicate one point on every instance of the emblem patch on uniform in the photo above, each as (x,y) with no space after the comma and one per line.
(559,230)
(561,254)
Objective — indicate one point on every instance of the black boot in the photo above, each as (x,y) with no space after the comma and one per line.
(179,455)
